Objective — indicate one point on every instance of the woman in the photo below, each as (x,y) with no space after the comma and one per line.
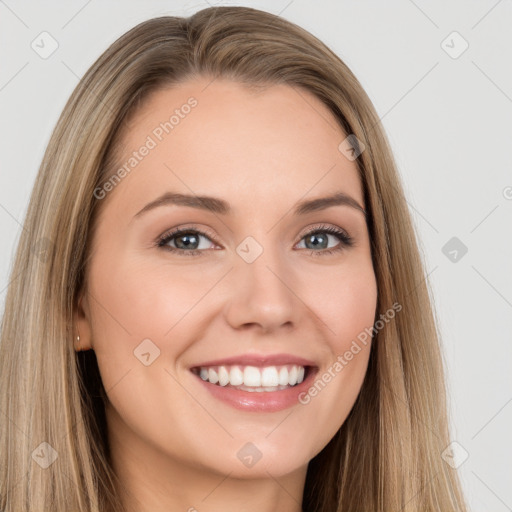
(173,338)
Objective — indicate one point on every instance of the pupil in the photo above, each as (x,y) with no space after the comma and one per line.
(321,237)
(186,244)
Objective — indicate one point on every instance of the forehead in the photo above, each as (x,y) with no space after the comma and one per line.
(220,138)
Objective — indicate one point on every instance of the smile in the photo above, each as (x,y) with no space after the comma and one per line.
(260,389)
(253,378)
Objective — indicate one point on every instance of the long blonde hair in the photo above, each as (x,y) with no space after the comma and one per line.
(387,454)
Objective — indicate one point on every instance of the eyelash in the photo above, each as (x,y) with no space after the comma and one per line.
(346,241)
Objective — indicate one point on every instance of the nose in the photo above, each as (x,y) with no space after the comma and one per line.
(262,294)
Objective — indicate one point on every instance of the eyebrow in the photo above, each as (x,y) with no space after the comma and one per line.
(222,207)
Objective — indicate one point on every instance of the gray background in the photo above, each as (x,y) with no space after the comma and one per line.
(448,117)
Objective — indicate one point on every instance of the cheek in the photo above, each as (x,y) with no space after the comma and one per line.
(347,307)
(139,317)
(352,308)
(134,300)
(346,302)
(135,310)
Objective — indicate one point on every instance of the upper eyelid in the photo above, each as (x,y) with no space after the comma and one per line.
(180,230)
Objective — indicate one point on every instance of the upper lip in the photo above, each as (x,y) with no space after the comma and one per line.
(258,360)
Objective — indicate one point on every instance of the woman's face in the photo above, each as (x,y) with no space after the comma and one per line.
(253,277)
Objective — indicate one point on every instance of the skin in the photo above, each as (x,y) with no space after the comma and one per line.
(174,445)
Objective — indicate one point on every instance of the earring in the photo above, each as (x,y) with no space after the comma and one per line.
(78,343)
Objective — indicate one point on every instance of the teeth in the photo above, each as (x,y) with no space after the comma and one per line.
(300,376)
(236,376)
(252,378)
(269,377)
(213,376)
(260,389)
(223,376)
(283,376)
(292,376)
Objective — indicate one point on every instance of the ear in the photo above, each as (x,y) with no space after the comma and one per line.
(82,324)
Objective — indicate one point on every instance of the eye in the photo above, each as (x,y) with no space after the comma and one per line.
(186,241)
(317,237)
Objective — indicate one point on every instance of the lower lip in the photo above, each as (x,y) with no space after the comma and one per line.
(260,401)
